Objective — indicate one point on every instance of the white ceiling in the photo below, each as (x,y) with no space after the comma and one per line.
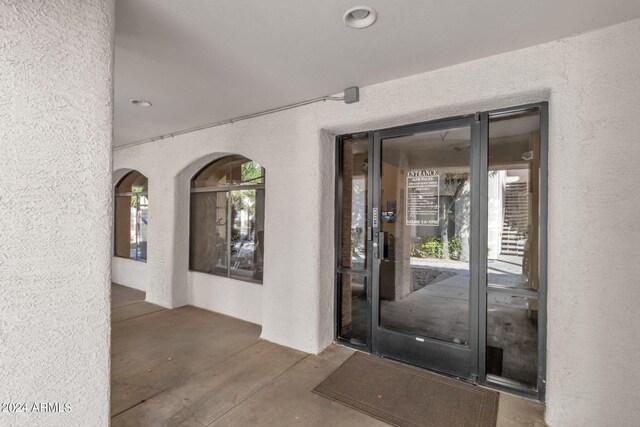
(204,61)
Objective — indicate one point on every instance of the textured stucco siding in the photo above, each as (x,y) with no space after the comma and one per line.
(131,273)
(592,84)
(55,204)
(235,298)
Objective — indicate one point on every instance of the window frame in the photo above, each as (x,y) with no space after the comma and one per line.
(124,194)
(227,189)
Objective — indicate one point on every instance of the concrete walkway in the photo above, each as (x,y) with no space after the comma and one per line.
(192,367)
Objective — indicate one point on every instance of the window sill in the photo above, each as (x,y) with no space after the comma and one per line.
(239,279)
(130,259)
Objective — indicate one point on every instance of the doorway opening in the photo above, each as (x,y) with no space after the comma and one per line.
(441,245)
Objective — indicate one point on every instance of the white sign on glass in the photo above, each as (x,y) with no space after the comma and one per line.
(423,197)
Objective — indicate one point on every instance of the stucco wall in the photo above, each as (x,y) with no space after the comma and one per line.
(591,82)
(227,296)
(55,199)
(131,273)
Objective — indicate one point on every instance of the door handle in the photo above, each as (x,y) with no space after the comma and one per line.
(381,252)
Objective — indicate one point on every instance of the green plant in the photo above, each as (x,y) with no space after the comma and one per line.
(415,250)
(455,248)
(434,247)
(250,172)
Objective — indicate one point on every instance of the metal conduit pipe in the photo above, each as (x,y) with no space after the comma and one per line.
(350,96)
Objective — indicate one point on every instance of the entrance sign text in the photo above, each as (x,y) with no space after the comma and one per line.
(423,197)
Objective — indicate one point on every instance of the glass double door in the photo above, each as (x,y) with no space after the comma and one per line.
(440,246)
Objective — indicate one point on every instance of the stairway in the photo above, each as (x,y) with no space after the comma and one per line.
(516,219)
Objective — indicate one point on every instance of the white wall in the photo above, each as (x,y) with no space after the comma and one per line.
(592,84)
(227,296)
(128,272)
(55,199)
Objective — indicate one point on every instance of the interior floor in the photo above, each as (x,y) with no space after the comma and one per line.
(193,367)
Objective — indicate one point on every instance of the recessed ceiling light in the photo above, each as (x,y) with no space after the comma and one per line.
(140,102)
(360,17)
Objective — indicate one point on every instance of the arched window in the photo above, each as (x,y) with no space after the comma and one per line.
(227,219)
(131,207)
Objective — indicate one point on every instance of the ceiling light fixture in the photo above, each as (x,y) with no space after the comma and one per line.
(360,17)
(140,102)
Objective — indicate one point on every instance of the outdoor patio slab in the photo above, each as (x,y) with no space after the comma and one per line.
(192,367)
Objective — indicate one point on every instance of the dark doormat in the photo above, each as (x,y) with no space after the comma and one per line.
(403,395)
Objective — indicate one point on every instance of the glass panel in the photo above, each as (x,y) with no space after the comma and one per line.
(228,171)
(353,307)
(216,174)
(208,240)
(134,181)
(355,157)
(426,203)
(512,338)
(513,189)
(123,217)
(247,234)
(251,173)
(143,209)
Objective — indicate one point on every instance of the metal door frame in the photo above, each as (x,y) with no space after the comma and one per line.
(366,273)
(450,358)
(539,392)
(478,263)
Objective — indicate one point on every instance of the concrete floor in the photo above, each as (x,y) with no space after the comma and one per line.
(440,310)
(192,367)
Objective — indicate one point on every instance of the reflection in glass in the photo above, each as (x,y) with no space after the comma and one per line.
(514,171)
(353,306)
(229,171)
(141,223)
(131,207)
(208,240)
(512,338)
(426,203)
(133,182)
(123,231)
(352,289)
(227,219)
(513,246)
(247,233)
(355,157)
